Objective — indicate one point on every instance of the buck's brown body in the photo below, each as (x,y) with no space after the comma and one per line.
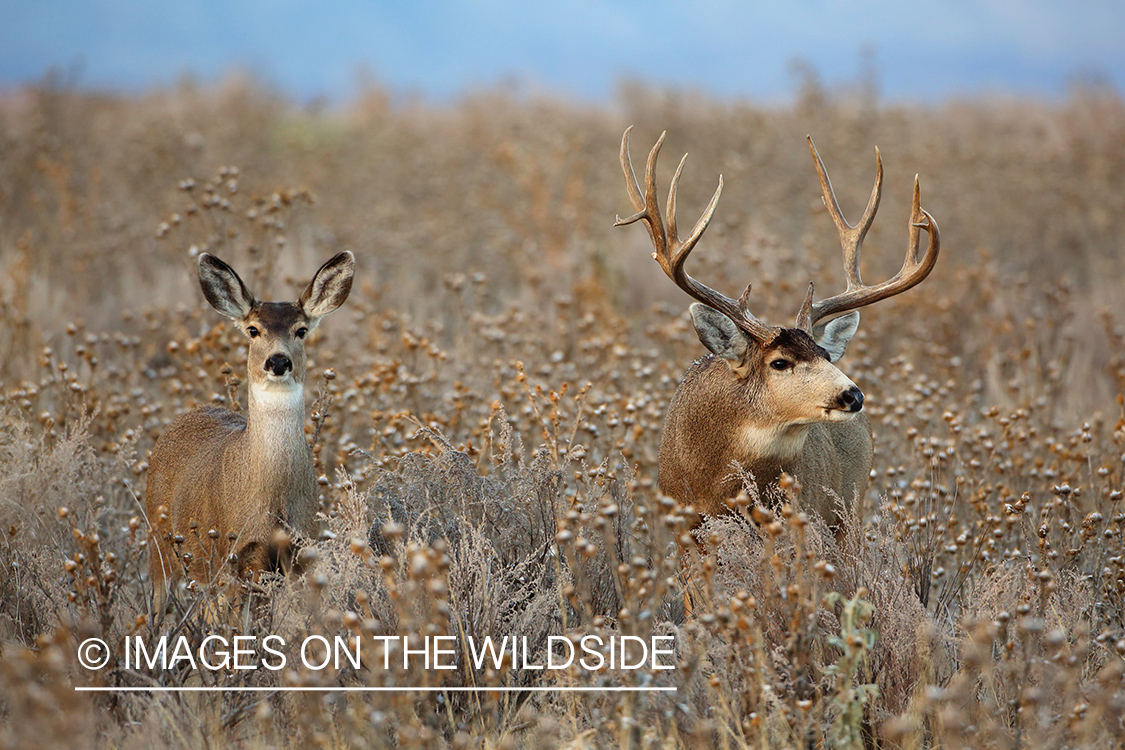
(228,482)
(768,399)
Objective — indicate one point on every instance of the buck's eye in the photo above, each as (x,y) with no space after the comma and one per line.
(781,364)
(252,332)
(302,332)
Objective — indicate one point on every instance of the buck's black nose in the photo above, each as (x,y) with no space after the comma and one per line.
(852,399)
(279,364)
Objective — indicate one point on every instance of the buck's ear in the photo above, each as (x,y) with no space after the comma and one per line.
(328,288)
(223,289)
(719,334)
(836,333)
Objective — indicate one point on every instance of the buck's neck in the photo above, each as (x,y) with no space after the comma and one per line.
(761,446)
(279,454)
(721,398)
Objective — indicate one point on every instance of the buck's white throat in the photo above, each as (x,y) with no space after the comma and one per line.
(781,442)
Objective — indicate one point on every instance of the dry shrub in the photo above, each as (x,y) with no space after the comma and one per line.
(488,410)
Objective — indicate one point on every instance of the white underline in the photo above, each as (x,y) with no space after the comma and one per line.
(378,689)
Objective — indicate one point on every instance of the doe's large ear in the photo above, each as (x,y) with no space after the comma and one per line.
(836,333)
(329,287)
(223,289)
(719,333)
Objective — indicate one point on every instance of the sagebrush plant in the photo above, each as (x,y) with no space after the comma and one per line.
(486,418)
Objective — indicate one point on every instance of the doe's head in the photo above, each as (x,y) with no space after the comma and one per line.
(276,330)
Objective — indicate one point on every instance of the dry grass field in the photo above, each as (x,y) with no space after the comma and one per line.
(486,410)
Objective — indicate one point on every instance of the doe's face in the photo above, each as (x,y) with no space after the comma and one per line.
(277,332)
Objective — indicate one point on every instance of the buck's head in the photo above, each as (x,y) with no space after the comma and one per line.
(790,377)
(276,330)
(788,372)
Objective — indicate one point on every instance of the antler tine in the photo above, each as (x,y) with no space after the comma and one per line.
(673,186)
(683,249)
(645,203)
(670,252)
(920,219)
(851,237)
(857,294)
(804,315)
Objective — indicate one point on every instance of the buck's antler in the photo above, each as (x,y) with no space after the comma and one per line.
(671,252)
(857,294)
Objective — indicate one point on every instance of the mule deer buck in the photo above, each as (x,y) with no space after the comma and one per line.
(769,399)
(222,484)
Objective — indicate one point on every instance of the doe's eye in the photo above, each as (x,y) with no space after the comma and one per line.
(252,331)
(781,364)
(302,332)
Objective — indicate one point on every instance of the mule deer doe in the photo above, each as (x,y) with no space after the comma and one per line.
(222,484)
(768,399)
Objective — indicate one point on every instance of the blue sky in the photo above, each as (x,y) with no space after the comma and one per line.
(925,50)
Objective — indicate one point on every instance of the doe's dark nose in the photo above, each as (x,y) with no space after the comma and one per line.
(852,399)
(279,364)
